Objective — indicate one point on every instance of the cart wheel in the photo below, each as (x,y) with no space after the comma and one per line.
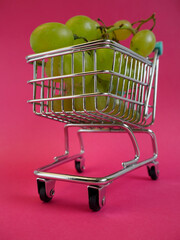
(79,165)
(96,199)
(153,172)
(43,196)
(45,187)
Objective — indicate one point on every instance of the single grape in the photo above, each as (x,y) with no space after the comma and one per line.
(67,104)
(122,33)
(50,36)
(143,42)
(84,26)
(105,58)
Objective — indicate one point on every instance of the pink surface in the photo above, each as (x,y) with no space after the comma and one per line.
(137,208)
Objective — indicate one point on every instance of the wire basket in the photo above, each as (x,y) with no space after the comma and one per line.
(113,92)
(125,92)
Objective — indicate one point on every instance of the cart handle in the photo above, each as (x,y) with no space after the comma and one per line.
(158,52)
(159,47)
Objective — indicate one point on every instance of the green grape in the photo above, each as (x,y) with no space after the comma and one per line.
(90,101)
(84,26)
(105,62)
(143,42)
(56,67)
(122,33)
(77,68)
(50,36)
(105,58)
(57,104)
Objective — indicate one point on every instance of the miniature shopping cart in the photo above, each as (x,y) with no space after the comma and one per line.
(127,105)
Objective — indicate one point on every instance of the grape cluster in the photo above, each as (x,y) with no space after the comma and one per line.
(81,29)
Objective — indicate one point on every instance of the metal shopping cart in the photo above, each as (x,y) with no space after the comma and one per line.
(127,104)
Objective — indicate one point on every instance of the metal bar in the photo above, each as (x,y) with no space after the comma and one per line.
(92,180)
(151,83)
(95,72)
(34,84)
(42,86)
(41,172)
(58,161)
(112,130)
(85,47)
(155,90)
(153,138)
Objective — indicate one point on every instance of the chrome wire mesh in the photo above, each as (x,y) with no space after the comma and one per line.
(129,95)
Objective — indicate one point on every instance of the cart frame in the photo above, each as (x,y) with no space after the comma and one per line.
(98,121)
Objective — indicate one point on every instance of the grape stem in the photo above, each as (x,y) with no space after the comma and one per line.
(112,29)
(105,30)
(77,37)
(141,22)
(102,29)
(99,20)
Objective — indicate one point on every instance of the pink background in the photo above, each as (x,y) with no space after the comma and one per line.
(137,208)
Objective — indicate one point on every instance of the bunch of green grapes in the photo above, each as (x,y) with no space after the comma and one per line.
(142,42)
(81,29)
(54,35)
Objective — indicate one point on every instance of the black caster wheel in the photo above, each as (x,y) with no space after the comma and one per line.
(153,172)
(43,196)
(45,189)
(79,165)
(96,199)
